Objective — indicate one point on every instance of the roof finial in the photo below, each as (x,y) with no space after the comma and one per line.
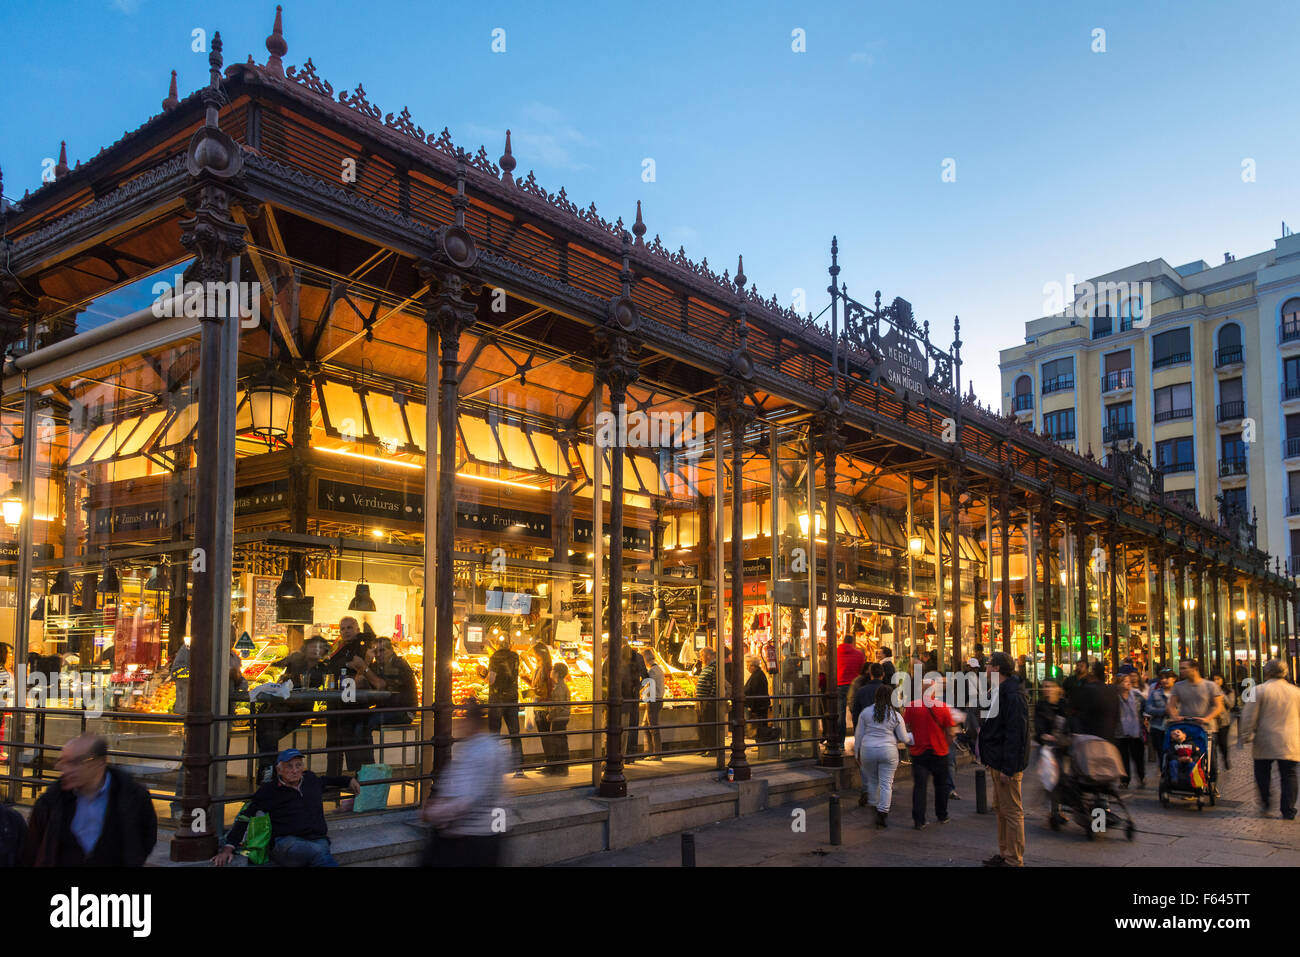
(740,273)
(172,100)
(507,162)
(638,228)
(215,61)
(61,168)
(276,46)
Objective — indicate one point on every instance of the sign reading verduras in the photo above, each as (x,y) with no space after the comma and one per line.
(369,501)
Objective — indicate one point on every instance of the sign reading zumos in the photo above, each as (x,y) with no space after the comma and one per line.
(902,364)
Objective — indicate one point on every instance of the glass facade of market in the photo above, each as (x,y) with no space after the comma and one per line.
(156,523)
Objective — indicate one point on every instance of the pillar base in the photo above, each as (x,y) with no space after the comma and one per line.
(190,848)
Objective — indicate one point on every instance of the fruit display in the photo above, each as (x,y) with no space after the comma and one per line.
(679,684)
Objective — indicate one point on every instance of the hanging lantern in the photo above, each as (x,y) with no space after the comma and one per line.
(289,587)
(12,505)
(362,601)
(109,582)
(270,401)
(916,545)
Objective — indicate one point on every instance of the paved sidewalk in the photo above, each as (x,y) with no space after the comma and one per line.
(1230,834)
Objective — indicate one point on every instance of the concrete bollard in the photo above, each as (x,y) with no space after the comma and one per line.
(981,792)
(688,850)
(835,820)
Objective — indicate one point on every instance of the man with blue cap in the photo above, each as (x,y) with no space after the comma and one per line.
(299,837)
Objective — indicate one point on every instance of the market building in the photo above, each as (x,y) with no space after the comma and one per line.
(396,383)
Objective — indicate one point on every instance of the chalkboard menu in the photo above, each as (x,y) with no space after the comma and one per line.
(264,606)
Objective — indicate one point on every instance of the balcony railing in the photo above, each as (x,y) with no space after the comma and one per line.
(1293,564)
(1125,323)
(1169,415)
(1117,432)
(1063,436)
(1058,384)
(1228,356)
(1227,411)
(1291,389)
(1102,327)
(1236,465)
(1173,359)
(1292,506)
(1024,402)
(1291,446)
(1290,331)
(1169,468)
(1119,379)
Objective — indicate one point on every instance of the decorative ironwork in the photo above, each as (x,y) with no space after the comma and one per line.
(357,100)
(307,77)
(403,124)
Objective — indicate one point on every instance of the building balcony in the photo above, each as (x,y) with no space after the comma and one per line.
(1289,332)
(1293,564)
(1171,468)
(1117,432)
(1291,447)
(1023,403)
(1173,415)
(1174,359)
(1067,436)
(1290,390)
(1229,357)
(1230,412)
(1061,383)
(1121,380)
(1232,467)
(1292,506)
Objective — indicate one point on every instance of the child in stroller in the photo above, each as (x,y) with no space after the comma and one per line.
(1185,764)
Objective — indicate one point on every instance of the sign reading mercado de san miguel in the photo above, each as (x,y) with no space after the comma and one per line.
(903,365)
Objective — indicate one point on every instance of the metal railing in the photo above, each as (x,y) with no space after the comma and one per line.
(1169,468)
(1227,411)
(1119,379)
(1234,465)
(1292,506)
(1289,332)
(1117,432)
(1170,415)
(1293,564)
(1024,402)
(1065,435)
(1058,384)
(1291,446)
(1228,356)
(1173,359)
(1291,389)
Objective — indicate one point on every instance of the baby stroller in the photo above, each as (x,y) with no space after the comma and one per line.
(1185,765)
(1090,782)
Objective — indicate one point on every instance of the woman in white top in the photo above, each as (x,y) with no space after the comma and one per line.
(879,732)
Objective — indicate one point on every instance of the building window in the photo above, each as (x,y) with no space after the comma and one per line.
(1129,311)
(1234,502)
(1291,320)
(1291,377)
(1232,460)
(1170,348)
(1184,496)
(1174,402)
(1059,426)
(1291,441)
(1102,322)
(1024,394)
(1228,351)
(1058,375)
(1176,455)
(1232,403)
(1119,423)
(1119,371)
(1293,493)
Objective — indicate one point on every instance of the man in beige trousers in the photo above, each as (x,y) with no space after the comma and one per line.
(1271,719)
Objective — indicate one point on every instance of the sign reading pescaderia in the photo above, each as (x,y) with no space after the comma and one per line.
(371,502)
(902,365)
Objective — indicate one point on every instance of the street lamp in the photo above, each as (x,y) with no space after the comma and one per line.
(270,401)
(12,505)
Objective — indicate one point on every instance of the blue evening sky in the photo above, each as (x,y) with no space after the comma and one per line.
(1067,161)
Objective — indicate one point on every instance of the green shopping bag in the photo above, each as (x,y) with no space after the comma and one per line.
(257,839)
(373,797)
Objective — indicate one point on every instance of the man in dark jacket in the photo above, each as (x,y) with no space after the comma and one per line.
(93,815)
(13,836)
(299,836)
(1096,705)
(1004,750)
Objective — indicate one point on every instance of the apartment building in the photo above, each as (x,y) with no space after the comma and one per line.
(1199,365)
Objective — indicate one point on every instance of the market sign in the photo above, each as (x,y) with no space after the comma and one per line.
(638,538)
(128,518)
(902,364)
(263,497)
(1139,480)
(858,600)
(490,518)
(368,501)
(9,552)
